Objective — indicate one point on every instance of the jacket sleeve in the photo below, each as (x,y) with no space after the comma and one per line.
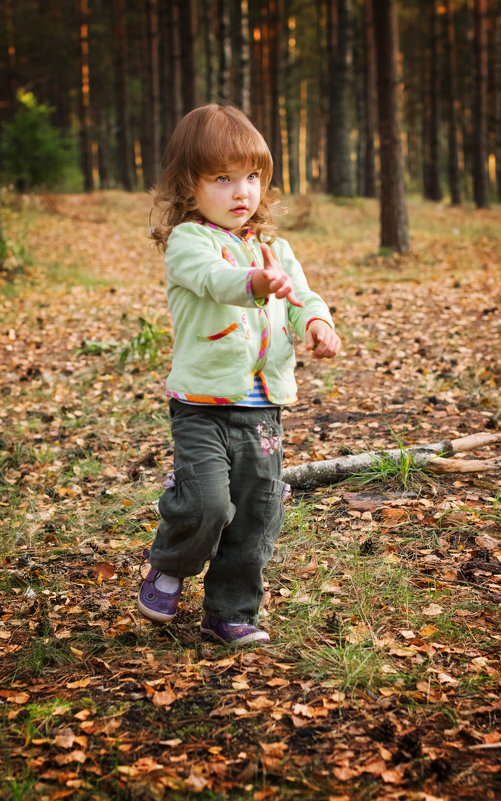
(193,261)
(314,305)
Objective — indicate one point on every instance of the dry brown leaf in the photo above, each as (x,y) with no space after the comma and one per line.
(73,756)
(164,697)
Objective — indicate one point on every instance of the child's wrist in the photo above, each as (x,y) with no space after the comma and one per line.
(259,285)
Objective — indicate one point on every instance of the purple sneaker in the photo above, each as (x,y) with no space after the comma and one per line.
(229,633)
(155,604)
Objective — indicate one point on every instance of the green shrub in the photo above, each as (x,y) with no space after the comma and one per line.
(33,153)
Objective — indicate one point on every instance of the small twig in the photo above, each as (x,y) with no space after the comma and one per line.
(484,745)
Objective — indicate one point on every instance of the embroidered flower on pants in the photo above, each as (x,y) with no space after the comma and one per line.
(170,481)
(269,441)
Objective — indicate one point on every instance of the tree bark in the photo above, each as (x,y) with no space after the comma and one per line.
(9,84)
(292,98)
(497,98)
(394,222)
(102,98)
(329,471)
(170,50)
(240,66)
(479,154)
(150,116)
(208,49)
(124,136)
(154,90)
(276,69)
(452,103)
(84,96)
(224,51)
(339,33)
(188,54)
(257,76)
(431,168)
(369,181)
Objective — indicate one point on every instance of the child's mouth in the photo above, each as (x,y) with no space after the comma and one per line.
(239,210)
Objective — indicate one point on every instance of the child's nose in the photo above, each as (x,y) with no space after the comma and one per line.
(240,189)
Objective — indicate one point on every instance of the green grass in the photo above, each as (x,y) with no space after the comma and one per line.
(386,472)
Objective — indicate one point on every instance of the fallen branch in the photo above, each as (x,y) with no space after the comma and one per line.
(439,465)
(329,471)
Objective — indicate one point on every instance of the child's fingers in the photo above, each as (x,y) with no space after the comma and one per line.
(282,287)
(269,259)
(291,297)
(286,290)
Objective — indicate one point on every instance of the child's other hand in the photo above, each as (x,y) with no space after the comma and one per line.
(322,340)
(279,283)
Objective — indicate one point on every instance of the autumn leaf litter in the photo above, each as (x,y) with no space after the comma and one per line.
(382,679)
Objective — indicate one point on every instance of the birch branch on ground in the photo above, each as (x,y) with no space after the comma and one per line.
(433,456)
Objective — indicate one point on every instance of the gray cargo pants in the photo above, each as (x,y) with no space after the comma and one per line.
(225,504)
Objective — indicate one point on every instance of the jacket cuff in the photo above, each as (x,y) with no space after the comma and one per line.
(318,318)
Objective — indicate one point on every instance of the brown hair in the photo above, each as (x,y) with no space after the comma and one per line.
(206,141)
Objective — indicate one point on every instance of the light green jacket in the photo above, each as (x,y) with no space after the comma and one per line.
(222,335)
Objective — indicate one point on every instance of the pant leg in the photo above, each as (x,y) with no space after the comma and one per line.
(198,507)
(234,582)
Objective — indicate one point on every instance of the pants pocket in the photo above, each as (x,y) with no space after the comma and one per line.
(273,518)
(181,506)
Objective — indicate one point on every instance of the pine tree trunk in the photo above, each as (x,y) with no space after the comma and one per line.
(208,49)
(431,168)
(124,136)
(358,80)
(292,99)
(240,67)
(479,148)
(84,96)
(100,68)
(150,117)
(245,102)
(394,222)
(497,98)
(257,89)
(170,50)
(188,54)
(276,87)
(154,87)
(9,84)
(224,51)
(369,183)
(452,101)
(339,167)
(264,53)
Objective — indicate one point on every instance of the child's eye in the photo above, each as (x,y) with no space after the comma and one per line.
(253,176)
(222,179)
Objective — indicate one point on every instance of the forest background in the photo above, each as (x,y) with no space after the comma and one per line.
(382,678)
(115,77)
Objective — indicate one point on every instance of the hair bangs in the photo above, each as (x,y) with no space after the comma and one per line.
(230,138)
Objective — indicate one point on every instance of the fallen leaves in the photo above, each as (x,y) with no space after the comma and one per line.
(410,580)
(432,610)
(164,697)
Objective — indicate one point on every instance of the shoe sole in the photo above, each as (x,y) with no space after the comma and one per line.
(249,638)
(157,617)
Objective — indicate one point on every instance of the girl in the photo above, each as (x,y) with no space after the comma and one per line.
(233,291)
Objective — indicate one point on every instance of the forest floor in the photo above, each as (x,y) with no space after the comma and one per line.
(382,677)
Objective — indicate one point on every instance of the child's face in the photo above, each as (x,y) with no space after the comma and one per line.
(230,198)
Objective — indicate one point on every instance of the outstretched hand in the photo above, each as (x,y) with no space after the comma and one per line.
(273,280)
(322,340)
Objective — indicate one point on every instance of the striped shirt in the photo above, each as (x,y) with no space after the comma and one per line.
(255,399)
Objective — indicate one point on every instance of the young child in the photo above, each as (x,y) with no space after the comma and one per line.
(233,290)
